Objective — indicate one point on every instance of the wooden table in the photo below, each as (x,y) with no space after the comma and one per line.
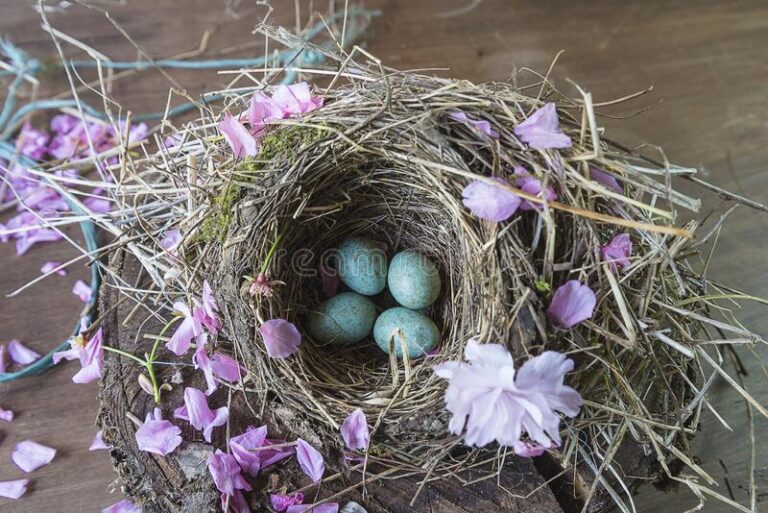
(707,62)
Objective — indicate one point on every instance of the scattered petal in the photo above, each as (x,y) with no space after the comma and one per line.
(158,436)
(281,338)
(527,183)
(6,415)
(481,125)
(190,328)
(90,352)
(328,507)
(13,489)
(30,456)
(83,291)
(310,460)
(296,99)
(355,432)
(197,412)
(235,502)
(606,179)
(171,241)
(571,304)
(20,354)
(209,316)
(283,502)
(226,473)
(489,202)
(541,130)
(245,449)
(240,140)
(124,506)
(50,266)
(618,251)
(528,449)
(98,205)
(98,443)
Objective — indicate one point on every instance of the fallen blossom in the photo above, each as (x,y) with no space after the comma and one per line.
(13,489)
(235,502)
(542,131)
(190,328)
(618,251)
(21,354)
(6,415)
(354,431)
(158,436)
(490,202)
(282,502)
(606,179)
(296,99)
(30,456)
(281,338)
(83,291)
(98,443)
(216,366)
(572,303)
(208,312)
(124,506)
(485,397)
(49,267)
(240,140)
(528,449)
(32,142)
(171,241)
(527,183)
(310,460)
(197,412)
(226,473)
(90,352)
(261,111)
(481,125)
(328,507)
(247,449)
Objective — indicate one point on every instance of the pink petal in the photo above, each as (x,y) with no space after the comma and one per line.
(50,266)
(240,140)
(235,502)
(282,502)
(489,202)
(261,111)
(482,125)
(244,449)
(30,456)
(171,241)
(310,460)
(541,130)
(328,507)
(281,338)
(13,489)
(355,432)
(571,304)
(98,443)
(83,291)
(98,205)
(226,473)
(190,328)
(6,415)
(199,414)
(527,183)
(32,237)
(605,179)
(528,449)
(209,317)
(91,359)
(158,436)
(124,506)
(296,99)
(20,354)
(272,456)
(618,251)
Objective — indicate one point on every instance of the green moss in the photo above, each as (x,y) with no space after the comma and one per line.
(215,225)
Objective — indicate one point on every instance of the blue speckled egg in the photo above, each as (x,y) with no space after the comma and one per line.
(417,330)
(414,280)
(362,266)
(343,319)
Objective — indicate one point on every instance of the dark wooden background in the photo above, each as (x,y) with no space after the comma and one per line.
(707,61)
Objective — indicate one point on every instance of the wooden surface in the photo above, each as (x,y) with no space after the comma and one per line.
(707,61)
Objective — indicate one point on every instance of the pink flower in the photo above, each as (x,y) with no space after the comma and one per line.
(283,502)
(82,291)
(242,143)
(90,353)
(330,279)
(30,456)
(209,309)
(171,241)
(32,142)
(21,354)
(281,338)
(124,506)
(64,123)
(245,449)
(328,507)
(6,415)
(190,328)
(261,111)
(226,473)
(485,396)
(527,183)
(541,130)
(310,460)
(482,125)
(296,99)
(355,432)
(605,179)
(618,251)
(197,412)
(13,489)
(489,202)
(571,304)
(158,436)
(261,286)
(98,443)
(50,266)
(218,365)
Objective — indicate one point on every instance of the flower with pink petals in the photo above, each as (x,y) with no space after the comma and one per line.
(572,303)
(13,489)
(6,415)
(83,291)
(98,443)
(171,241)
(282,502)
(32,142)
(490,202)
(355,432)
(226,473)
(209,309)
(618,251)
(261,111)
(261,286)
(481,125)
(217,366)
(124,506)
(158,436)
(246,449)
(30,456)
(53,267)
(190,328)
(90,353)
(21,354)
(296,99)
(240,140)
(527,183)
(197,412)
(281,338)
(328,507)
(310,460)
(542,131)
(485,397)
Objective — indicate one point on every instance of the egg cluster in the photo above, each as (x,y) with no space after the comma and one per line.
(413,281)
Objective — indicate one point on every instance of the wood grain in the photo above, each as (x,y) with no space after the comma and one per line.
(705,59)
